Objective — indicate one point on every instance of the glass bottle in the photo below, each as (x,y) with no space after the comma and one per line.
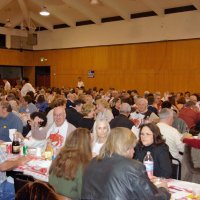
(49,150)
(15,144)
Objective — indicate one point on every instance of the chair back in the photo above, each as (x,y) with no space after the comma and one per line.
(190,172)
(21,179)
(176,168)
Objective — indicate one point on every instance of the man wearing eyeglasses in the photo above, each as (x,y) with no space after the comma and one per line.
(60,128)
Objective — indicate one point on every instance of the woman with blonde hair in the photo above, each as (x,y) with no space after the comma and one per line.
(88,111)
(103,110)
(67,168)
(115,175)
(101,130)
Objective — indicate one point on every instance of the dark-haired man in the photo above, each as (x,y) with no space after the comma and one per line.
(8,120)
(74,113)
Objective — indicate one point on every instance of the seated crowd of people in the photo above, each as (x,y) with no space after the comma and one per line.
(100,138)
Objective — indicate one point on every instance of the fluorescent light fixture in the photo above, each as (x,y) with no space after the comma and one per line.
(44,12)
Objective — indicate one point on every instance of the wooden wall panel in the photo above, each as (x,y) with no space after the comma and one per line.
(19,58)
(16,57)
(164,66)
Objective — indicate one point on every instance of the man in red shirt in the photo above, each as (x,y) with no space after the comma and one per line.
(190,114)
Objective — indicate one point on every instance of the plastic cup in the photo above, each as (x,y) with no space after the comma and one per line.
(11,133)
(38,152)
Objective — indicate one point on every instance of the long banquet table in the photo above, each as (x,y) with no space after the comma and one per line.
(180,190)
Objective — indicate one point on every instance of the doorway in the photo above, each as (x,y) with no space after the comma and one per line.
(42,76)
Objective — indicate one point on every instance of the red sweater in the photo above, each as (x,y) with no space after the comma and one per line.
(190,116)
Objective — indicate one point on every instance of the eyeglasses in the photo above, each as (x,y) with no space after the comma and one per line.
(146,134)
(58,115)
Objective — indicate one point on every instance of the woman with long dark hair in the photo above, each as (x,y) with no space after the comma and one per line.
(67,169)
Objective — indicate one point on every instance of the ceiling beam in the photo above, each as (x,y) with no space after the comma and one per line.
(24,10)
(84,9)
(118,8)
(58,14)
(63,16)
(155,7)
(196,4)
(3,3)
(41,21)
(16,21)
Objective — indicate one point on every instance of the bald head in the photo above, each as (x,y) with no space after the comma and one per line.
(59,115)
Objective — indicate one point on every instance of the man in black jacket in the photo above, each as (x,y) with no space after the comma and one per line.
(74,113)
(122,119)
(114,175)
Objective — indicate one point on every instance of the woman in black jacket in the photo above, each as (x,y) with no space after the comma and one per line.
(114,175)
(150,139)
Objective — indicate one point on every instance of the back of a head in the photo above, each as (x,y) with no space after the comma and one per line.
(78,102)
(76,151)
(79,139)
(150,100)
(103,102)
(28,98)
(125,108)
(26,79)
(165,113)
(119,141)
(166,104)
(87,108)
(36,191)
(190,104)
(58,102)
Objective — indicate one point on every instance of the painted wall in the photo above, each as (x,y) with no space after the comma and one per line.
(170,27)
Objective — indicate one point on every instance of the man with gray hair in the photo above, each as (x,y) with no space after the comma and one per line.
(170,134)
(122,119)
(142,112)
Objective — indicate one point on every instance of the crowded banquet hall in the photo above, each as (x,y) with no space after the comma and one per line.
(99,100)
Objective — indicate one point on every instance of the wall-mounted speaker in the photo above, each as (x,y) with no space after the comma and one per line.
(32,39)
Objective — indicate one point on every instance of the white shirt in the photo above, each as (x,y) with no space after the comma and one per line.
(50,117)
(26,88)
(173,139)
(96,148)
(7,86)
(106,114)
(80,84)
(57,134)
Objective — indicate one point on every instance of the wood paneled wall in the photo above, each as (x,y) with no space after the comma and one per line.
(16,57)
(19,58)
(164,66)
